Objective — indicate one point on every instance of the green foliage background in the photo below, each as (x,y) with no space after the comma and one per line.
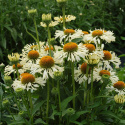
(14,19)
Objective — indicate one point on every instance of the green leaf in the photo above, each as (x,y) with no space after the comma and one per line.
(55,112)
(39,120)
(77,123)
(14,34)
(109,113)
(37,106)
(1,54)
(122,55)
(17,122)
(77,40)
(77,115)
(65,102)
(32,36)
(123,38)
(97,123)
(3,43)
(96,104)
(122,121)
(1,92)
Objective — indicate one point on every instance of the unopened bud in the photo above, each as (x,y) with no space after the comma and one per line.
(5,103)
(7,79)
(70,111)
(32,13)
(22,114)
(119,99)
(19,91)
(54,91)
(46,18)
(14,58)
(57,75)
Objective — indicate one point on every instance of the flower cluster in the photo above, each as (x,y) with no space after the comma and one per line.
(78,59)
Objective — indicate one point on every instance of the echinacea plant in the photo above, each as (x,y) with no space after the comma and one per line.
(69,83)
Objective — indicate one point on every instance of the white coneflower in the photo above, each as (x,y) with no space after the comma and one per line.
(110,57)
(72,52)
(68,18)
(68,34)
(46,66)
(28,81)
(80,73)
(51,24)
(118,87)
(10,69)
(99,72)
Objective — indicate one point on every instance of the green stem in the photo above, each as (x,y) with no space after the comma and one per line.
(18,103)
(73,82)
(92,84)
(49,37)
(47,108)
(10,113)
(1,99)
(37,36)
(86,83)
(64,20)
(58,86)
(31,106)
(17,72)
(25,103)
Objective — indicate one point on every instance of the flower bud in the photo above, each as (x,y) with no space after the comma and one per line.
(7,79)
(61,2)
(119,99)
(32,13)
(92,59)
(2,66)
(70,111)
(22,114)
(5,103)
(54,91)
(105,77)
(19,91)
(14,58)
(46,18)
(57,75)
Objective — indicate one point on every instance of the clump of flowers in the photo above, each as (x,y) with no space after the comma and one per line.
(64,80)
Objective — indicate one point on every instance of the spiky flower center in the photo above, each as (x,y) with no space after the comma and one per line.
(70,47)
(104,72)
(27,78)
(90,47)
(85,32)
(19,66)
(33,54)
(84,68)
(46,62)
(97,33)
(24,74)
(107,55)
(119,85)
(47,48)
(69,31)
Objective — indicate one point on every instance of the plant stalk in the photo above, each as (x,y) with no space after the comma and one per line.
(73,83)
(49,37)
(47,108)
(92,84)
